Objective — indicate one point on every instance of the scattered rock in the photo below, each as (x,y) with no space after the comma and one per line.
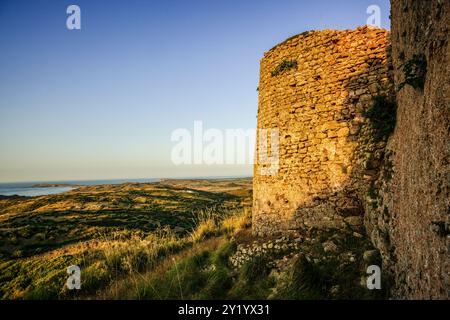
(335,290)
(354,221)
(371,256)
(329,246)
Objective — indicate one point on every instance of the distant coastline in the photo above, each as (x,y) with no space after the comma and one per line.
(36,188)
(52,185)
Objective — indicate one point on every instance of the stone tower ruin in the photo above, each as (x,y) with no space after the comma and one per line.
(314,89)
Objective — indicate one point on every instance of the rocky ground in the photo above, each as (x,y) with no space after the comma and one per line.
(327,264)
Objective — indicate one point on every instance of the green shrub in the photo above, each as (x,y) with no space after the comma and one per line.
(284,66)
(220,257)
(415,71)
(382,116)
(253,280)
(256,268)
(441,228)
(373,195)
(388,166)
(218,282)
(305,282)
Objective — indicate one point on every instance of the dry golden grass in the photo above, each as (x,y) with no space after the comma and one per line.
(128,287)
(112,232)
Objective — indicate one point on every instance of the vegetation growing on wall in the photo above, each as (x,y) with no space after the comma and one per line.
(284,66)
(415,71)
(373,195)
(382,116)
(388,166)
(441,228)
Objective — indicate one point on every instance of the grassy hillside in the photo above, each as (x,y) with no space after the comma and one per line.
(177,239)
(35,225)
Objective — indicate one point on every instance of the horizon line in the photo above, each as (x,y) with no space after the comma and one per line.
(131,179)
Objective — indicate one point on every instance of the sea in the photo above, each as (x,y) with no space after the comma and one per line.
(32,189)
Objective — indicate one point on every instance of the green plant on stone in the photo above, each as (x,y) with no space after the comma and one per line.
(415,71)
(373,195)
(441,228)
(284,66)
(382,116)
(388,166)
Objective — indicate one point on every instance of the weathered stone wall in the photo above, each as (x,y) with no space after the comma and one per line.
(314,88)
(416,201)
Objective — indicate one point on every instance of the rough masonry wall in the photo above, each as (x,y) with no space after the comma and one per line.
(418,197)
(314,88)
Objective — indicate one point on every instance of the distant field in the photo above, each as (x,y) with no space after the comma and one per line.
(35,225)
(89,226)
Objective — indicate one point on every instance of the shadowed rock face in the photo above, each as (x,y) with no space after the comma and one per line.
(419,195)
(314,89)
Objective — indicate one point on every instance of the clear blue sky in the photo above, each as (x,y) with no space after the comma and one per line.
(101,102)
